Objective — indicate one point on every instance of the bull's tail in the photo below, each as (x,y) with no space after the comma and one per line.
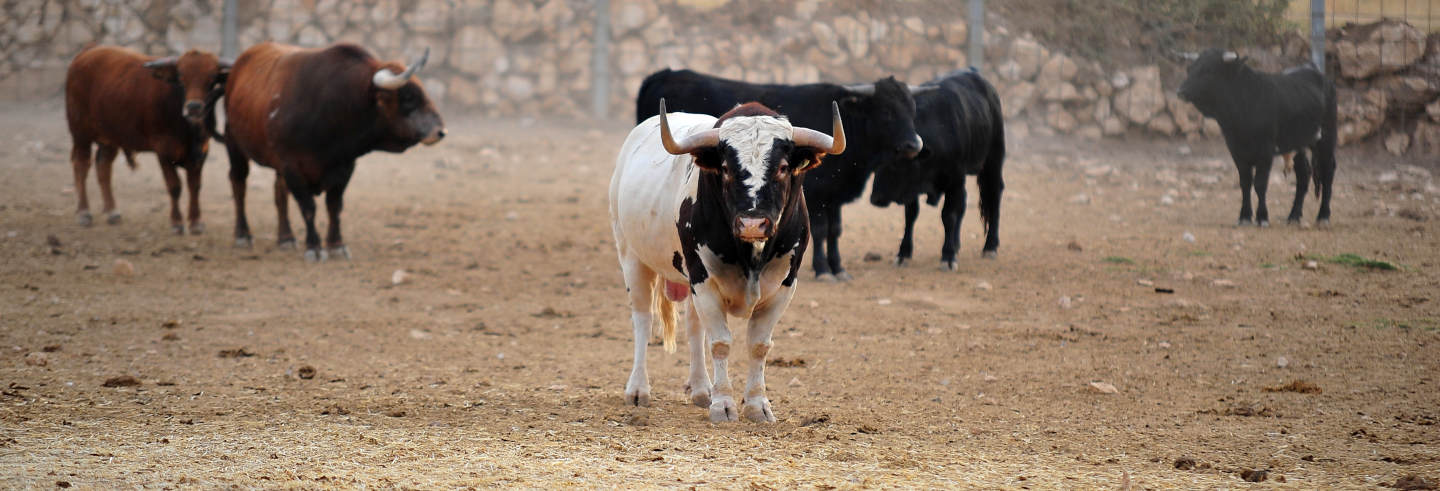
(1323,156)
(129,158)
(992,178)
(663,309)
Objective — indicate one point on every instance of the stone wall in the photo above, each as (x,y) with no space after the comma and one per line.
(508,58)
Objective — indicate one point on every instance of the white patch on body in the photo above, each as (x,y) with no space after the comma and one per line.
(752,137)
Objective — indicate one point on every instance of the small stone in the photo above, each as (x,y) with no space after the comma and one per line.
(1065,302)
(1167,200)
(124,269)
(1389,176)
(1223,283)
(884,301)
(1103,388)
(37,359)
(1164,345)
(983,286)
(121,381)
(1254,475)
(1312,265)
(1185,463)
(795,382)
(399,277)
(1074,246)
(1144,282)
(306,372)
(1282,362)
(1188,237)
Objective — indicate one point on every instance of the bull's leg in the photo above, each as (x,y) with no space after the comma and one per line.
(711,314)
(757,407)
(334,203)
(698,386)
(833,243)
(1247,173)
(907,242)
(1302,185)
(639,283)
(951,213)
(1324,181)
(239,174)
(819,232)
(992,186)
(172,185)
(284,238)
(305,200)
(104,165)
(80,165)
(1262,184)
(192,185)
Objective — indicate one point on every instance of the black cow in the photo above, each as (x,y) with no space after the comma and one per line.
(1263,115)
(881,130)
(959,117)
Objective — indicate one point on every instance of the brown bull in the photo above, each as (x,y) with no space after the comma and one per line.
(123,101)
(309,114)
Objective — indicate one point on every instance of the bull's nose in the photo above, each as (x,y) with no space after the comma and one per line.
(434,137)
(752,229)
(912,148)
(194,110)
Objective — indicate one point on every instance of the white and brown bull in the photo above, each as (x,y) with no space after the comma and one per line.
(710,222)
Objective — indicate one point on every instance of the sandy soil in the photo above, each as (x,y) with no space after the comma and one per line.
(501,359)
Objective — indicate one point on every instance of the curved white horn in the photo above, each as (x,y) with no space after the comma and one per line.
(690,144)
(388,80)
(1230,56)
(862,89)
(806,137)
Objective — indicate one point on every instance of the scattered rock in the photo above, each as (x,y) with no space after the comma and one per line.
(52,241)
(1074,246)
(121,381)
(872,257)
(306,372)
(1254,475)
(1299,386)
(395,413)
(235,353)
(1103,388)
(1188,237)
(334,409)
(1065,302)
(1164,345)
(1412,482)
(1144,282)
(399,277)
(815,420)
(1282,362)
(1223,283)
(794,382)
(983,286)
(123,268)
(1185,463)
(1311,265)
(884,301)
(791,363)
(37,359)
(1388,177)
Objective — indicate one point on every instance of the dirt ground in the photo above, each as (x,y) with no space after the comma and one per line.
(501,358)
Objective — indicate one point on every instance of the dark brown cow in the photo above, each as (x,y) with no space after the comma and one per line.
(309,114)
(124,101)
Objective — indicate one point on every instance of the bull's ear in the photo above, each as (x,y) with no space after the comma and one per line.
(804,159)
(163,69)
(708,159)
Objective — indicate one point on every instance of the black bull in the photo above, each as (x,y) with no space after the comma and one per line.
(959,117)
(1263,115)
(879,121)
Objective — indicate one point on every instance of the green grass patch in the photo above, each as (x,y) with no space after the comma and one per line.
(1268,265)
(1118,260)
(1357,261)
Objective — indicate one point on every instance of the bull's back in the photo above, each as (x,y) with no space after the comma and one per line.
(110,97)
(647,189)
(252,94)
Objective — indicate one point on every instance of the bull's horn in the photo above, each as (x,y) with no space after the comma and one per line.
(806,137)
(225,64)
(862,89)
(388,80)
(916,89)
(168,61)
(1230,56)
(704,139)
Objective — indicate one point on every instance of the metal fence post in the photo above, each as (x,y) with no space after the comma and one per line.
(600,62)
(977,33)
(1317,34)
(228,41)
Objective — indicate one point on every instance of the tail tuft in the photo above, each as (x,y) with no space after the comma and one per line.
(662,308)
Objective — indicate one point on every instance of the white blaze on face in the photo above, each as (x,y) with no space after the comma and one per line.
(752,137)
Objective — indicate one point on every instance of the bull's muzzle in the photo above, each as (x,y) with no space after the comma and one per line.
(912,148)
(194,112)
(750,229)
(434,137)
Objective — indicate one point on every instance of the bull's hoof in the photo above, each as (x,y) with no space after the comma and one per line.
(1264,223)
(989,254)
(244,242)
(197,228)
(178,229)
(1322,223)
(1244,222)
(316,256)
(758,410)
(723,409)
(825,277)
(637,395)
(700,398)
(340,252)
(948,265)
(843,276)
(285,244)
(1292,221)
(113,218)
(83,218)
(901,261)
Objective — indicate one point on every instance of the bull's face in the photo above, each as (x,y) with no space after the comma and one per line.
(1208,77)
(758,162)
(889,111)
(406,113)
(198,76)
(899,182)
